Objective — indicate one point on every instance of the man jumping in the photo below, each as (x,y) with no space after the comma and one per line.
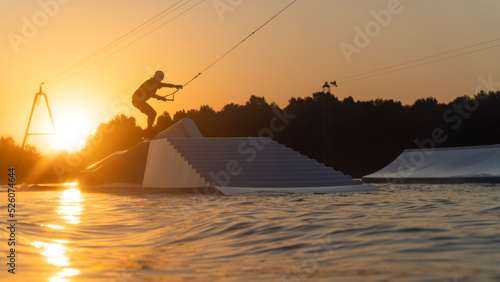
(148,90)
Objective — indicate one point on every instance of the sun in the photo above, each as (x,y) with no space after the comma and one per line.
(72,129)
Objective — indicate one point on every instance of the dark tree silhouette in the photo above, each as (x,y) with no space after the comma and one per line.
(10,156)
(356,137)
(120,133)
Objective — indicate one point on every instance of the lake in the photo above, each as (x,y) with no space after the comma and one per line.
(405,232)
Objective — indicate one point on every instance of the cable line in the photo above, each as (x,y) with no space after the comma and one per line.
(365,75)
(122,38)
(234,47)
(426,63)
(129,34)
(125,46)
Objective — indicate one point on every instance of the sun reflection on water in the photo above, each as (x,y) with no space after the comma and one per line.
(54,253)
(55,226)
(67,272)
(70,209)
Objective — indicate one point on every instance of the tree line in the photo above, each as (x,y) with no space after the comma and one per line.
(355,137)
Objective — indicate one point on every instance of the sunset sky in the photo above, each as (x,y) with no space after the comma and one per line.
(311,42)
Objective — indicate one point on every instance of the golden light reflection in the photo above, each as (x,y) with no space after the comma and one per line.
(72,195)
(67,272)
(61,241)
(55,226)
(70,210)
(70,207)
(54,253)
(58,279)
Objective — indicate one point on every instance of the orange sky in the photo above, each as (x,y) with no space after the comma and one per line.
(290,57)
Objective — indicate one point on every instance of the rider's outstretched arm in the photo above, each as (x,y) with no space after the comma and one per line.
(171,85)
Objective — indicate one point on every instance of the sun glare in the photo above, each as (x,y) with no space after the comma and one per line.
(71,132)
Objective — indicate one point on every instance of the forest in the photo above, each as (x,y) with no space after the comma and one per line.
(355,137)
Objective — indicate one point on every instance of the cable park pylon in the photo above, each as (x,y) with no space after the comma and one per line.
(119,40)
(36,101)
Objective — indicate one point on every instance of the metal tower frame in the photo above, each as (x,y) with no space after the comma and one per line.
(40,93)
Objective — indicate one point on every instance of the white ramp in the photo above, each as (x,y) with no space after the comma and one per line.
(165,167)
(260,165)
(180,159)
(477,164)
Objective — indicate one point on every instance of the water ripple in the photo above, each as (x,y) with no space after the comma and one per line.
(403,233)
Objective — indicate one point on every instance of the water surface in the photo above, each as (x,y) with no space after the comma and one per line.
(403,233)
